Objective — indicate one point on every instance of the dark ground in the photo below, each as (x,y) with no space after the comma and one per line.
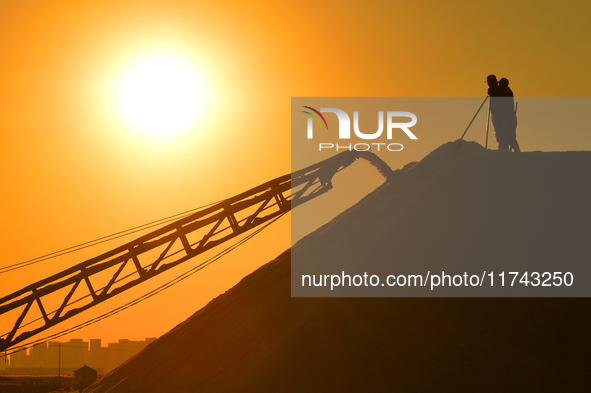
(37,384)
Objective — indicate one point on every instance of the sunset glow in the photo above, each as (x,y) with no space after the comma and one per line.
(161,95)
(118,113)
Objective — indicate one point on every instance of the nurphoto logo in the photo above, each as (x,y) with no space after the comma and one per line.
(344,131)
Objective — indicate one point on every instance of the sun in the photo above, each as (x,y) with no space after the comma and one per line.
(161,95)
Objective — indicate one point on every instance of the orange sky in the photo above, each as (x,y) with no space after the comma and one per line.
(72,170)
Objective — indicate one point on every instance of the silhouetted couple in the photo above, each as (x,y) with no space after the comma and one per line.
(504,116)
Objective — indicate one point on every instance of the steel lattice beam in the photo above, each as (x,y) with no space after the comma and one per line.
(268,200)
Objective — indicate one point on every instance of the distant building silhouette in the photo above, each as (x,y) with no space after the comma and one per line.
(85,376)
(43,359)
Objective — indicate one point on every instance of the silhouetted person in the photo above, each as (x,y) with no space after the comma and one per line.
(496,111)
(493,86)
(508,109)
